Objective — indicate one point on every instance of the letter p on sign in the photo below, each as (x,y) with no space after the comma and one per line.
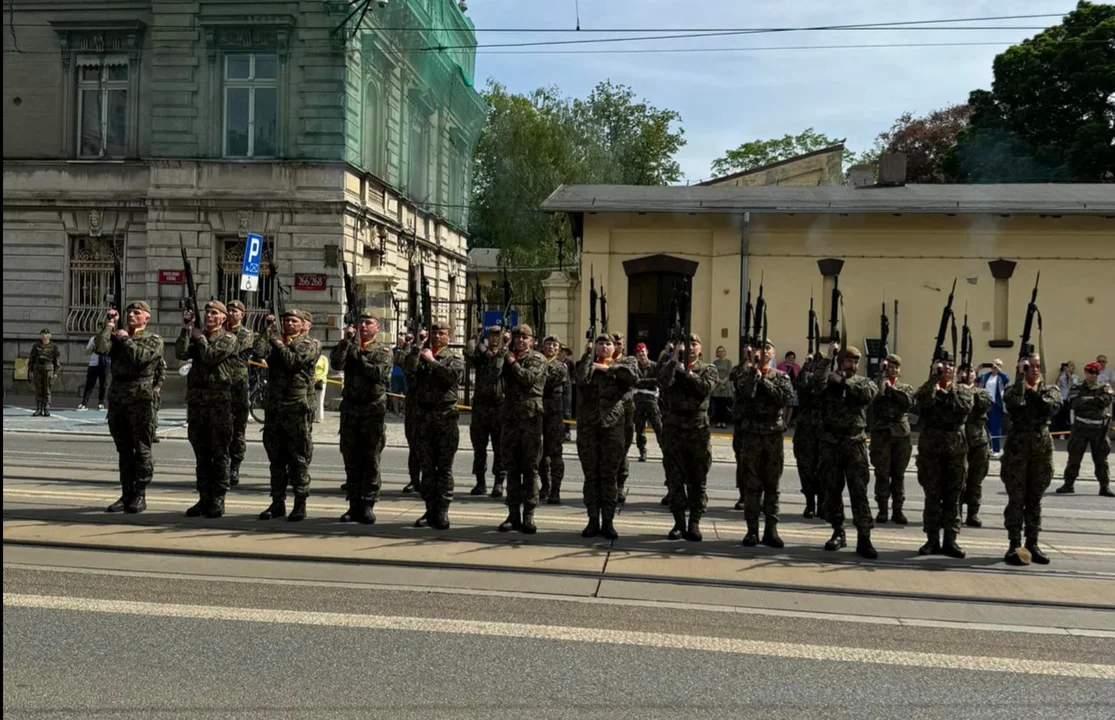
(253,254)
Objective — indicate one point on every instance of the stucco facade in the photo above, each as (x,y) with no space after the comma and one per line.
(820,167)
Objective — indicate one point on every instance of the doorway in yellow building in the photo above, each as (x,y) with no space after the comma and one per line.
(651,284)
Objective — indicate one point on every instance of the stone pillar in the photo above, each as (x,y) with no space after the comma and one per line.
(560,292)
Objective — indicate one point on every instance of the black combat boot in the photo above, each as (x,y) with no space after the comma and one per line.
(693,533)
(277,509)
(739,503)
(216,507)
(882,516)
(298,512)
(897,515)
(1016,554)
(950,547)
(1105,490)
(770,535)
(352,513)
(514,520)
(38,410)
(410,487)
(137,503)
(424,520)
(234,476)
(665,501)
(555,495)
(497,489)
(932,545)
(751,539)
(1066,489)
(46,409)
(528,526)
(125,493)
(544,491)
(367,516)
(198,508)
(593,528)
(973,516)
(837,541)
(642,454)
(607,528)
(864,548)
(678,529)
(440,520)
(344,489)
(1036,553)
(481,487)
(810,507)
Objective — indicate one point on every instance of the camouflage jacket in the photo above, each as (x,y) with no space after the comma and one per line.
(889,409)
(629,396)
(160,373)
(211,365)
(245,351)
(524,383)
(557,380)
(646,386)
(1091,406)
(44,358)
(290,370)
(134,360)
(943,414)
(1031,409)
(436,384)
(809,399)
(843,404)
(488,391)
(687,394)
(976,426)
(367,372)
(760,400)
(601,392)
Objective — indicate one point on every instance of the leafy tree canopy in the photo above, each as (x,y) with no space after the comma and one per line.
(925,141)
(757,153)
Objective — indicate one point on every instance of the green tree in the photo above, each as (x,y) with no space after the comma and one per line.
(757,153)
(1050,113)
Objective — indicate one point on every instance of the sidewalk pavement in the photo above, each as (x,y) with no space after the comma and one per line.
(172,424)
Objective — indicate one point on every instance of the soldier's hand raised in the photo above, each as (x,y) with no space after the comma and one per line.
(112,316)
(269,320)
(187,318)
(196,333)
(835,377)
(427,355)
(350,332)
(120,334)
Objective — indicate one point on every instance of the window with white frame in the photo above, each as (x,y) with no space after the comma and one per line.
(102,106)
(251,105)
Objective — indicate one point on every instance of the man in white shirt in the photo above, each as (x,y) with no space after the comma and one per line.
(96,372)
(1106,376)
(995,382)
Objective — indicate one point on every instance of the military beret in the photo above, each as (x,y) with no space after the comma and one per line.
(236,304)
(139,305)
(1092,367)
(292,312)
(768,343)
(694,338)
(617,336)
(605,337)
(307,316)
(493,329)
(522,331)
(893,359)
(217,305)
(852,352)
(440,325)
(45,331)
(553,338)
(368,313)
(641,346)
(946,358)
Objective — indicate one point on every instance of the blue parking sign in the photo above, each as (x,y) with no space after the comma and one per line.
(495,317)
(253,255)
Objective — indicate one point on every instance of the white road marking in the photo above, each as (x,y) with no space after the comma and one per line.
(732,646)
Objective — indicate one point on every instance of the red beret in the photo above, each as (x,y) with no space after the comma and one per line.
(641,346)
(1093,367)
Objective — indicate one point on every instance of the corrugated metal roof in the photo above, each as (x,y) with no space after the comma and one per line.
(1060,199)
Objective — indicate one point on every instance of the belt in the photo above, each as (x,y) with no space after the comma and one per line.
(652,393)
(1095,423)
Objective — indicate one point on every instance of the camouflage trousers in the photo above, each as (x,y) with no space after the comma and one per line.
(486,424)
(807,453)
(646,414)
(623,471)
(156,406)
(521,444)
(599,450)
(1081,439)
(941,468)
(437,436)
(1026,470)
(362,439)
(131,427)
(289,442)
(238,444)
(843,463)
(209,427)
(979,458)
(414,461)
(686,458)
(759,459)
(890,456)
(44,381)
(551,468)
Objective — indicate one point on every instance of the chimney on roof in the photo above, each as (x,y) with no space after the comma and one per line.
(862,175)
(892,169)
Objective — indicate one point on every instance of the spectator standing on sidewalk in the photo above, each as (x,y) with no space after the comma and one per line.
(722,393)
(995,382)
(398,386)
(321,373)
(95,374)
(1106,377)
(789,365)
(565,355)
(1066,380)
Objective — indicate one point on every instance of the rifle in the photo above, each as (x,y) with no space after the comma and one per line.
(590,334)
(1027,348)
(191,287)
(896,325)
(603,310)
(427,304)
(536,312)
(760,325)
(966,349)
(814,340)
(946,315)
(507,294)
(748,308)
(884,335)
(116,299)
(680,317)
(278,304)
(415,321)
(351,313)
(479,308)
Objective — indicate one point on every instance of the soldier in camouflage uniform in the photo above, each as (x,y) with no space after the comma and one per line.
(367,368)
(44,364)
(628,425)
(157,398)
(602,383)
(288,410)
(524,381)
(437,373)
(135,354)
(807,438)
(1027,464)
(486,423)
(979,450)
(646,401)
(686,453)
(944,407)
(1090,402)
(210,352)
(762,394)
(245,339)
(414,462)
(551,469)
(844,397)
(890,447)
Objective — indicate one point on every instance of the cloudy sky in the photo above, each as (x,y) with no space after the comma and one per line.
(728,97)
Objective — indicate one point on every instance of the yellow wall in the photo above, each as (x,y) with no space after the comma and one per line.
(911,257)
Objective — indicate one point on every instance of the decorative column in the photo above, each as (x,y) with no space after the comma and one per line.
(560,292)
(1002,270)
